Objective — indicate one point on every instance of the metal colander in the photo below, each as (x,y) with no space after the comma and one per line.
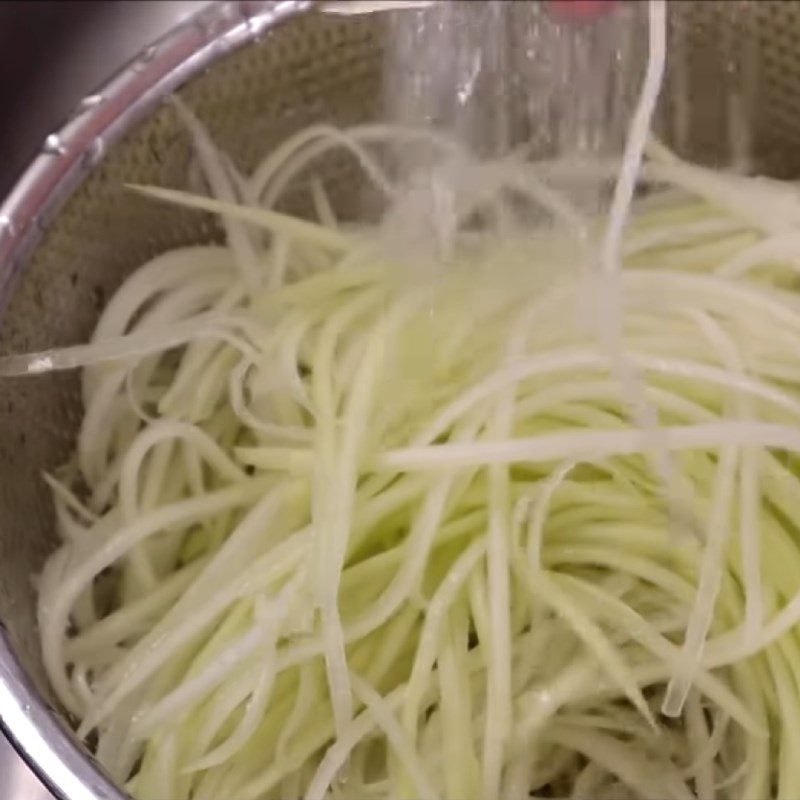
(254,72)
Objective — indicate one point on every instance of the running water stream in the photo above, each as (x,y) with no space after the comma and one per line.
(498,74)
(509,78)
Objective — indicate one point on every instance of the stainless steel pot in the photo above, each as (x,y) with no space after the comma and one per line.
(75,182)
(59,53)
(69,234)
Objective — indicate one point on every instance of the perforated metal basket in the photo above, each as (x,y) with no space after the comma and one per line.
(254,72)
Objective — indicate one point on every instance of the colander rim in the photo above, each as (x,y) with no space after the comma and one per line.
(34,728)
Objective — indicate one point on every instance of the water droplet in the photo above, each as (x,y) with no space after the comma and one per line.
(544,698)
(149,53)
(93,153)
(145,58)
(7,225)
(54,146)
(91,101)
(39,365)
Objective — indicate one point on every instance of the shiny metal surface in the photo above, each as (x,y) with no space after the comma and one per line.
(69,234)
(67,157)
(104,36)
(17,780)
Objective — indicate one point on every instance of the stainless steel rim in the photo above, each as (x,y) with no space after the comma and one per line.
(34,728)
